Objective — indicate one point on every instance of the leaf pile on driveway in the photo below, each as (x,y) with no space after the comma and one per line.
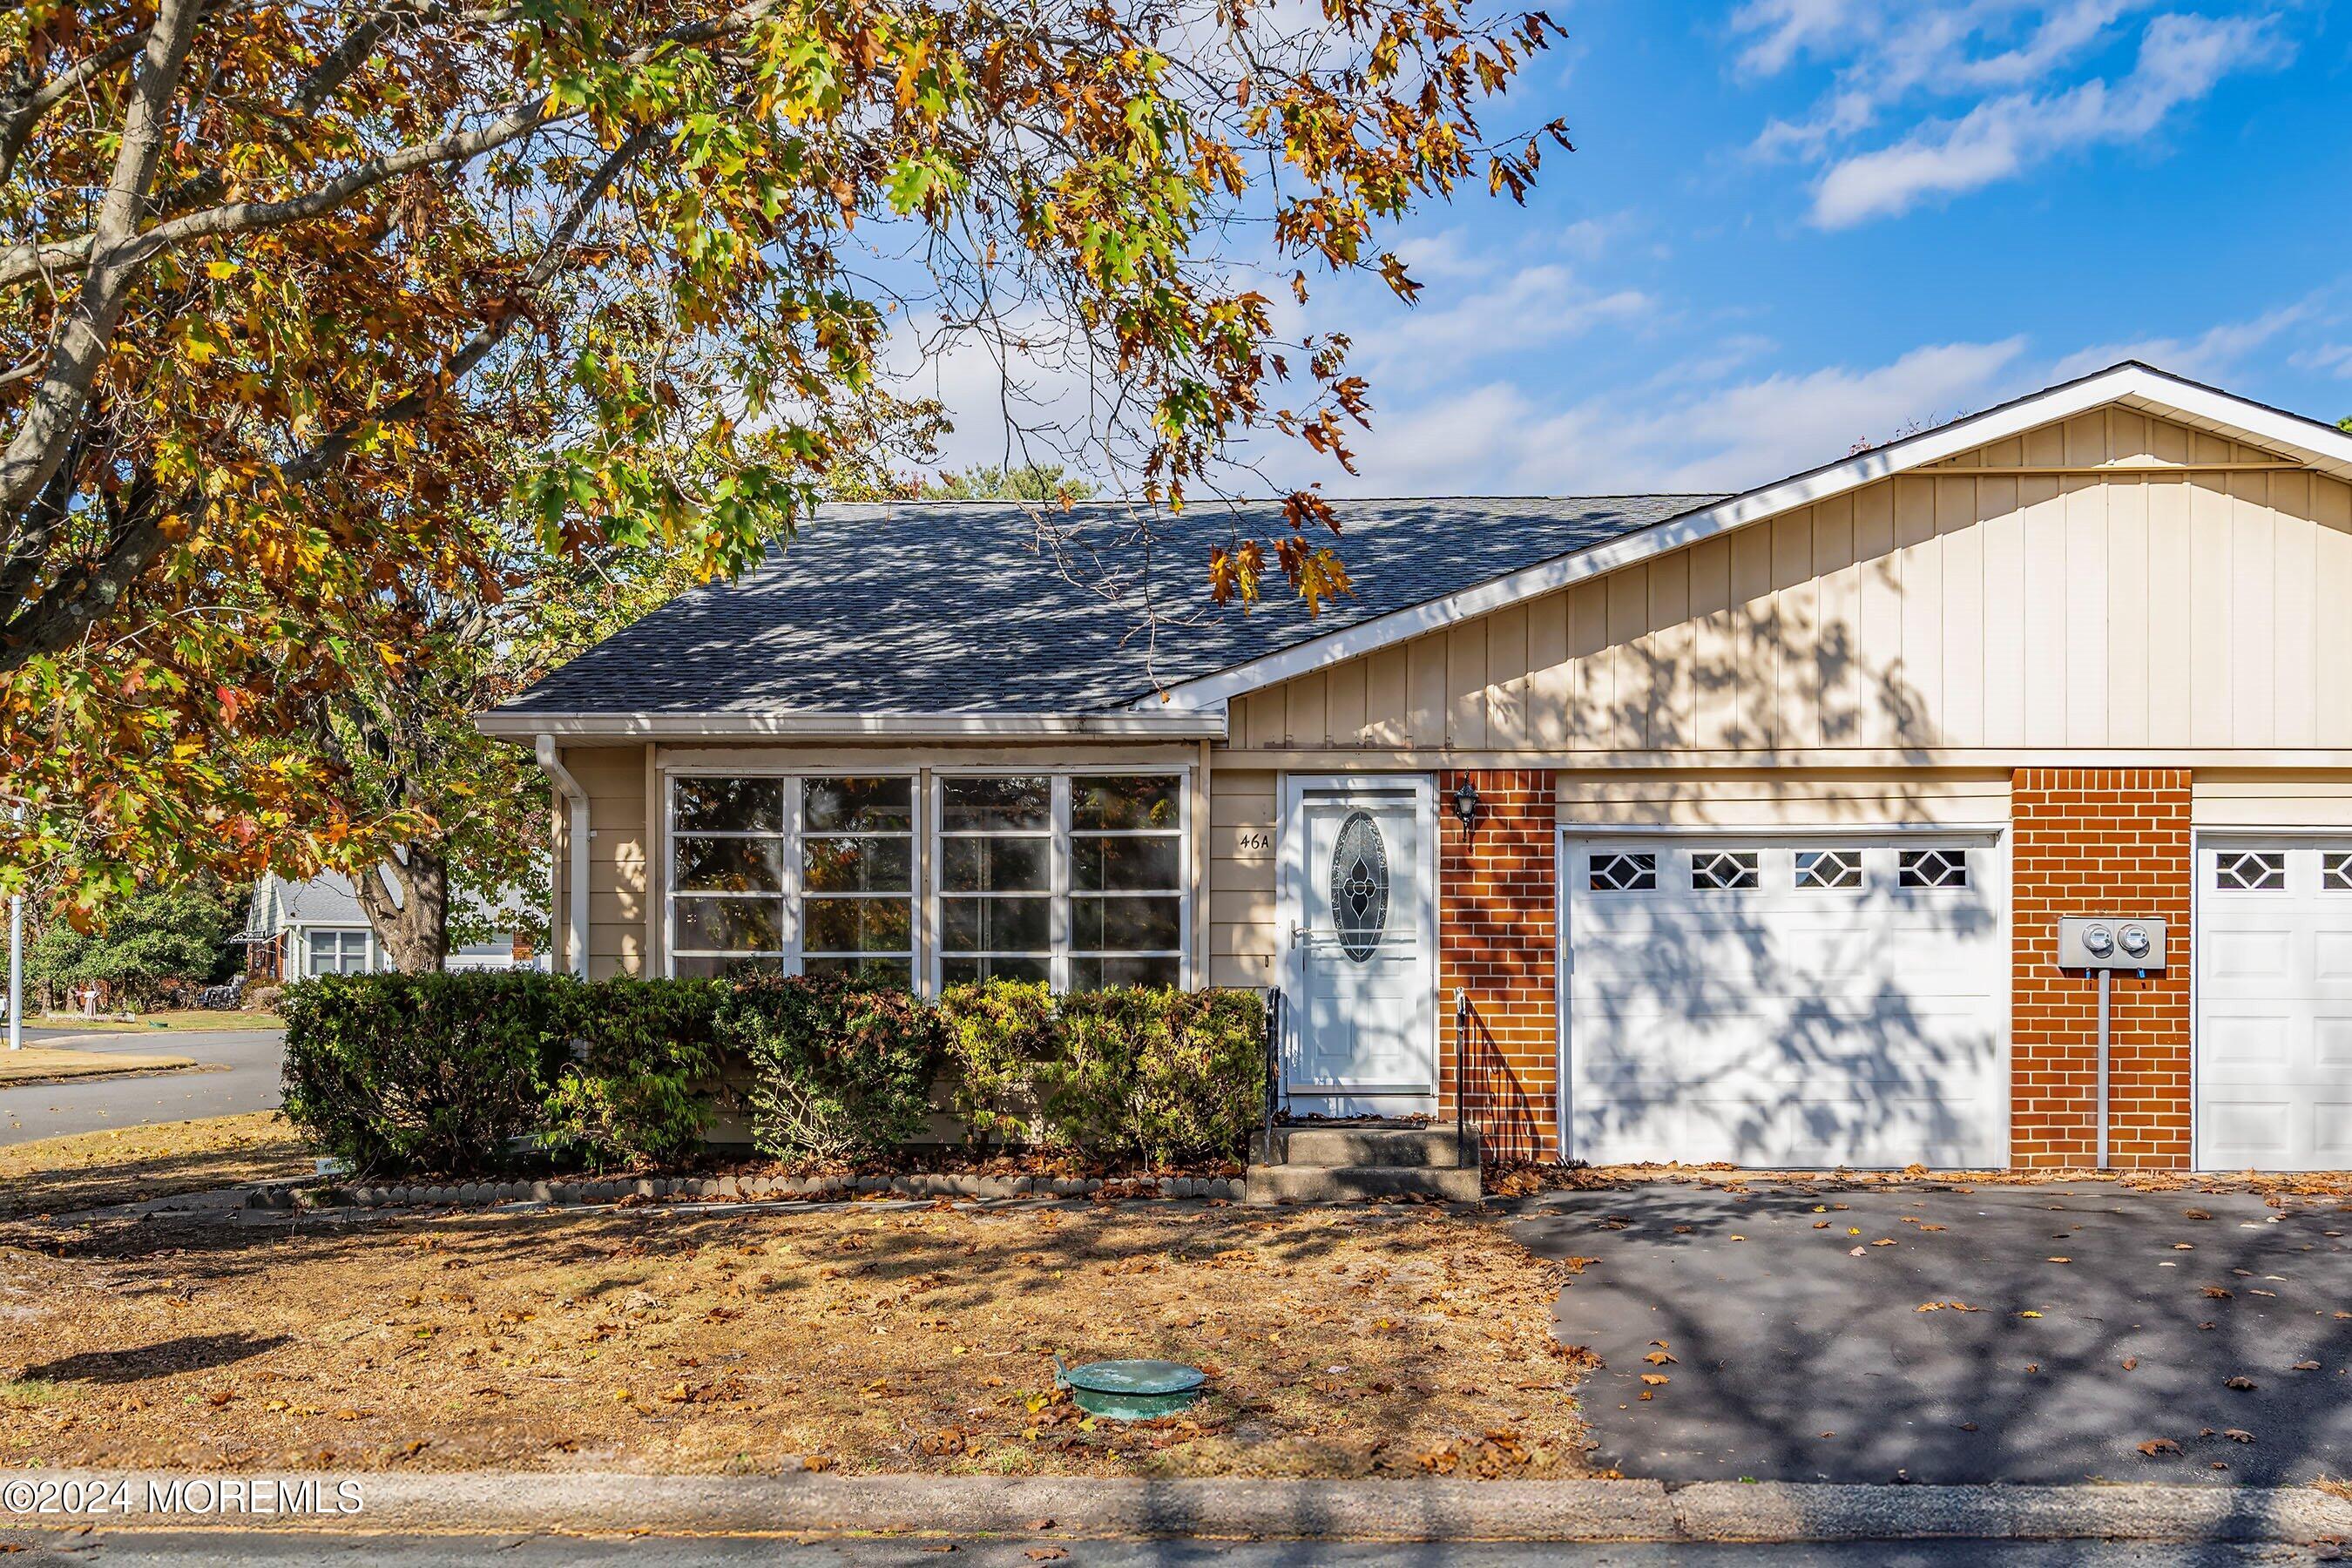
(877,1336)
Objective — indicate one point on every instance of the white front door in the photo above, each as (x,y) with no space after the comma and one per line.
(1793,1002)
(1359,865)
(2273,1004)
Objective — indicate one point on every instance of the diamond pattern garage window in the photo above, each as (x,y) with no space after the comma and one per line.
(1724,870)
(1829,868)
(2251,871)
(1624,873)
(1931,868)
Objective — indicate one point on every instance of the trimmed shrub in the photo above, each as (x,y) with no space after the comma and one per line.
(423,1071)
(842,1067)
(997,1034)
(1152,1075)
(639,1086)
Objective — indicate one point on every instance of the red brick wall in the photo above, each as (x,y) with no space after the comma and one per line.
(2111,841)
(1495,910)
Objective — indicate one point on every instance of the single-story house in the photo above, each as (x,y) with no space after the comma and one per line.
(1708,827)
(299,929)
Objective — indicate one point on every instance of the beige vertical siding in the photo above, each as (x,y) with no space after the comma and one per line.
(1243,819)
(2131,600)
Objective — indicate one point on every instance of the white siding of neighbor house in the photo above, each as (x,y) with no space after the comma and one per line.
(2160,593)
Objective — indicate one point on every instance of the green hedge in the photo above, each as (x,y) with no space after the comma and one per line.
(455,1072)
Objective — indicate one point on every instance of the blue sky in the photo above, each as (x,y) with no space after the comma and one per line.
(1794,225)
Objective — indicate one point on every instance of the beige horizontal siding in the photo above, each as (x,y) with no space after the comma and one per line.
(2161,608)
(1781,799)
(1243,807)
(2272,800)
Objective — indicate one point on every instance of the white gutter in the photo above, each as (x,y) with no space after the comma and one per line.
(575,928)
(1186,724)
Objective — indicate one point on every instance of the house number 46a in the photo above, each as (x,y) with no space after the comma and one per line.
(1253,838)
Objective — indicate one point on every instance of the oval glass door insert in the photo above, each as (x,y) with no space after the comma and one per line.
(1359,884)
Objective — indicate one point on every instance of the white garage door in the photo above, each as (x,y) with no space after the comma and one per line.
(2273,1004)
(1805,1002)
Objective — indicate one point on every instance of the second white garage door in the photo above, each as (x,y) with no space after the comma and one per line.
(2273,1004)
(1806,1002)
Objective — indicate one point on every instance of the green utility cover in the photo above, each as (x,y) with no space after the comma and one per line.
(1132,1390)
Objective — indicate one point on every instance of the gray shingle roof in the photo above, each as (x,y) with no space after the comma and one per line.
(957,607)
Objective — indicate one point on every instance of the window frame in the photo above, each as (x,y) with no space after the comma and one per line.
(341,936)
(1059,857)
(791,836)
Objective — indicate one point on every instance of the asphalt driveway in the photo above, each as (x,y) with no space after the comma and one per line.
(2069,1325)
(239,1070)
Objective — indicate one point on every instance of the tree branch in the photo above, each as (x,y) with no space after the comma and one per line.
(83,340)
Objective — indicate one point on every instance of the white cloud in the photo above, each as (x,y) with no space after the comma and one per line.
(2001,65)
(1533,305)
(2212,355)
(1685,435)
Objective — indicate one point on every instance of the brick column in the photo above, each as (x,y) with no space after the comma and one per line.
(2111,841)
(1497,907)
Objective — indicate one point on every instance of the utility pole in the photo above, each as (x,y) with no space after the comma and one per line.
(16,973)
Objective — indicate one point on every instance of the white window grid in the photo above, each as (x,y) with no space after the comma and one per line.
(1063,954)
(788,839)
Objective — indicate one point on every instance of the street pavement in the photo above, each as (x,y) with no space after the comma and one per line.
(1917,1334)
(221,1549)
(238,1071)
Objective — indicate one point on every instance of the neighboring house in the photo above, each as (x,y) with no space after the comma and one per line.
(1773,799)
(298,930)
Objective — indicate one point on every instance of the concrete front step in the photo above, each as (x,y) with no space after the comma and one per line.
(1354,1183)
(1435,1145)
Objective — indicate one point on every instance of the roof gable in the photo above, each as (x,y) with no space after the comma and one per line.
(2254,433)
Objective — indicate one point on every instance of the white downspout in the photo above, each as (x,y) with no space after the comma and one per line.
(575,925)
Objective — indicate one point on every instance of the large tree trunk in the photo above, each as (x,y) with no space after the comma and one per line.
(415,931)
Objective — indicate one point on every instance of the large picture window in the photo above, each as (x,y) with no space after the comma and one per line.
(793,875)
(1075,880)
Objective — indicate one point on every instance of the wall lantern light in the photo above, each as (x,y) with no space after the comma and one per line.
(1465,804)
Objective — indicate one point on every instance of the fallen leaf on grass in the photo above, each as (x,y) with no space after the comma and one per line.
(1041,1524)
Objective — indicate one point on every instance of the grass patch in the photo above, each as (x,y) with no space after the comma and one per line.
(23,1393)
(192,1018)
(56,1064)
(1392,1342)
(129,1164)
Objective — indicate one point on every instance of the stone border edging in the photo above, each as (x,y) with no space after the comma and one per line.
(736,1189)
(1431,1509)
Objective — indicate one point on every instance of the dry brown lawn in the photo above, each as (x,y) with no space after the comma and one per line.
(90,1169)
(877,1336)
(59,1063)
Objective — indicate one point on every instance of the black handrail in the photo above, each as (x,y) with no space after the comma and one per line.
(1461,1074)
(1273,1062)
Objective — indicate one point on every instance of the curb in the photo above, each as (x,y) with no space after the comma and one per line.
(1418,1511)
(315,1194)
